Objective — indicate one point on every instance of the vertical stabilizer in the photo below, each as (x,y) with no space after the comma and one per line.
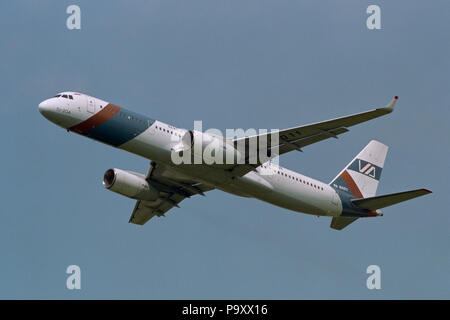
(362,174)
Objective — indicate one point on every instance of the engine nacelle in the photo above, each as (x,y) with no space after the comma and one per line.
(210,148)
(129,184)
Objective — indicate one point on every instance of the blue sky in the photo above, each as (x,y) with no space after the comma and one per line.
(231,64)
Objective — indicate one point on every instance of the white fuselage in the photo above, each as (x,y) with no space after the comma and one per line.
(276,185)
(154,140)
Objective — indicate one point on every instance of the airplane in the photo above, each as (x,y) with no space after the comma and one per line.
(351,195)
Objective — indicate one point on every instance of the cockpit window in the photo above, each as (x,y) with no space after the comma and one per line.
(67,96)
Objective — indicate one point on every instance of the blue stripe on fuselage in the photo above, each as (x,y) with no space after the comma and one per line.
(121,128)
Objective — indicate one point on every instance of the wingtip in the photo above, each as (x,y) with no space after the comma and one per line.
(391,105)
(427,191)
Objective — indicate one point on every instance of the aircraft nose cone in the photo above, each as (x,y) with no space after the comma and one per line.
(44,107)
(57,112)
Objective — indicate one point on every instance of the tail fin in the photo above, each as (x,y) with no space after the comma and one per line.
(362,174)
(357,185)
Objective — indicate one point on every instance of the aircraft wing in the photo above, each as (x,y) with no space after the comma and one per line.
(298,137)
(172,192)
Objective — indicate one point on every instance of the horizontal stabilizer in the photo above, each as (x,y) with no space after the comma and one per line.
(378,202)
(340,223)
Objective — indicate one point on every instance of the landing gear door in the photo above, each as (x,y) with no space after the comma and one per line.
(90,105)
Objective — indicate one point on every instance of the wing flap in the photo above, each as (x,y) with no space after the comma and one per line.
(145,210)
(303,142)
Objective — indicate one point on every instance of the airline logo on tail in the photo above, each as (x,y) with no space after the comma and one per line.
(366,168)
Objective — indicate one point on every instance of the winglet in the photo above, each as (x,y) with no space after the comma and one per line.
(390,107)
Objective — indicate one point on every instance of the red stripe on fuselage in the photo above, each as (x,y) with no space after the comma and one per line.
(97,119)
(351,184)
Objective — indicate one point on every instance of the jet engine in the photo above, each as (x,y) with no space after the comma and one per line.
(129,184)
